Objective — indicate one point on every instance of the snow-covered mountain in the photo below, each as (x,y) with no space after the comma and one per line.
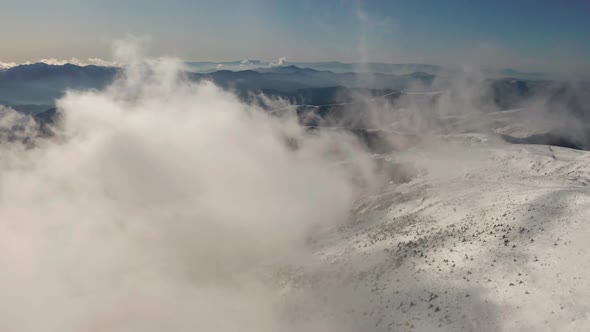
(481,236)
(186,205)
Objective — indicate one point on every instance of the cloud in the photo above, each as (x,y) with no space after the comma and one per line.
(131,50)
(15,126)
(280,62)
(7,65)
(102,63)
(166,205)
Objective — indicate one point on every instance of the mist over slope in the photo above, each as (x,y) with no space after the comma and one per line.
(287,199)
(157,205)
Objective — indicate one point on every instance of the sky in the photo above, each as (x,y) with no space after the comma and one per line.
(522,34)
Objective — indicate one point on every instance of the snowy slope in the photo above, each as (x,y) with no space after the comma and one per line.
(485,238)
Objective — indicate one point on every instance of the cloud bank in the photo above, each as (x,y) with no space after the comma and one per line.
(166,205)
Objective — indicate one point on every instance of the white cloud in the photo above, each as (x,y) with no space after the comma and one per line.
(280,62)
(7,65)
(164,206)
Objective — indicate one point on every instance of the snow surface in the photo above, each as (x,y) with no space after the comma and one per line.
(484,237)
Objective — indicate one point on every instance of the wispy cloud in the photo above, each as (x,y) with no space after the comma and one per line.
(280,62)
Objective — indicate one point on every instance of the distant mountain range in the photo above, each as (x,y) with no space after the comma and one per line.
(34,88)
(41,83)
(319,97)
(288,80)
(334,66)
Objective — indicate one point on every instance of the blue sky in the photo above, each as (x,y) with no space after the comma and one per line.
(526,34)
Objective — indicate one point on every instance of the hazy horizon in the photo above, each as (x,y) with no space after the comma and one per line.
(528,35)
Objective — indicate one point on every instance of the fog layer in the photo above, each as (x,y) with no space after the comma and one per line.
(162,204)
